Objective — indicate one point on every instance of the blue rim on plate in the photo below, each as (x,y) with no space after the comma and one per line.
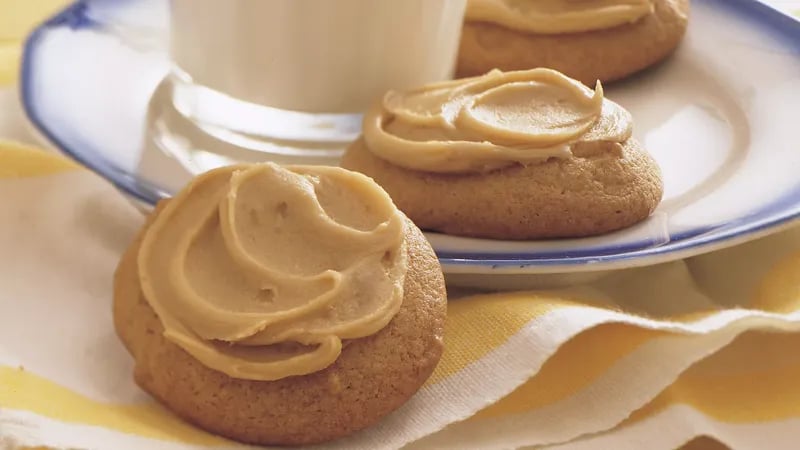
(75,17)
(773,216)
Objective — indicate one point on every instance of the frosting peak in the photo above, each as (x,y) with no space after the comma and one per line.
(492,121)
(558,16)
(261,271)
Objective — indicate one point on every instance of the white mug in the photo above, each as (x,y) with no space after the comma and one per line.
(320,56)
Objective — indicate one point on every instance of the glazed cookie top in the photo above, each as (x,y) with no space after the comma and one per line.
(558,16)
(260,271)
(492,121)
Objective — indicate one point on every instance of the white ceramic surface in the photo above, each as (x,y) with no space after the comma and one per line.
(721,117)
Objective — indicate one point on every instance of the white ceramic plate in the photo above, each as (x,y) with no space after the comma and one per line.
(721,117)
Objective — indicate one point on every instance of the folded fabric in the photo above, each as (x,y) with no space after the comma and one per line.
(644,358)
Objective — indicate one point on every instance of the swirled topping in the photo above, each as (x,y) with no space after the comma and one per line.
(493,121)
(558,16)
(260,271)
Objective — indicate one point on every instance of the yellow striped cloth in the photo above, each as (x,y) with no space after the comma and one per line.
(16,19)
(646,358)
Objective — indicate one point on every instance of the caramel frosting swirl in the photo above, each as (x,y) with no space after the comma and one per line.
(261,271)
(492,121)
(558,16)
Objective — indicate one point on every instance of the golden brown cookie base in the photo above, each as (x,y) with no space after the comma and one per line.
(372,377)
(571,197)
(604,55)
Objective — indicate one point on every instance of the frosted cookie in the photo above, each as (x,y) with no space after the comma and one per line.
(280,305)
(587,40)
(516,155)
